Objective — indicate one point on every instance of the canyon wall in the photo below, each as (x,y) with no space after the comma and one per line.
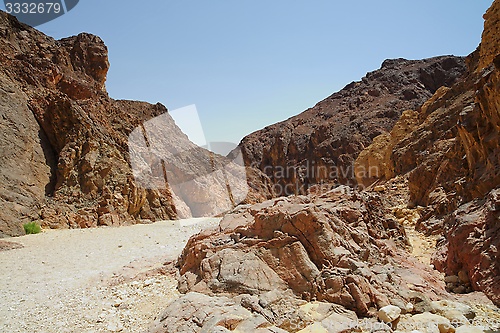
(65,158)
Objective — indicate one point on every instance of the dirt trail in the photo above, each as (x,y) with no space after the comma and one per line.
(91,280)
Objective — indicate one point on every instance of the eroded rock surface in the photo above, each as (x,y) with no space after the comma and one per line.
(469,249)
(64,143)
(344,247)
(450,147)
(451,158)
(341,247)
(322,143)
(63,139)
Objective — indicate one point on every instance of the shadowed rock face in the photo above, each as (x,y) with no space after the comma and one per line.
(450,147)
(322,143)
(64,144)
(338,247)
(64,141)
(470,247)
(342,246)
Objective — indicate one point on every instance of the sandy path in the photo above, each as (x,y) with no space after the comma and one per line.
(73,280)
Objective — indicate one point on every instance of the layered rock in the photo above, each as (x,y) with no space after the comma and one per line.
(450,156)
(195,312)
(490,46)
(65,144)
(70,164)
(340,247)
(343,246)
(374,162)
(451,153)
(322,143)
(211,314)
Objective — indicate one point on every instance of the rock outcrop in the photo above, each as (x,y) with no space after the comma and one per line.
(450,146)
(341,247)
(344,247)
(469,249)
(374,162)
(333,262)
(64,143)
(321,144)
(195,312)
(451,156)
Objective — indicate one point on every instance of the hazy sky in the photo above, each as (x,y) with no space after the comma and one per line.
(247,64)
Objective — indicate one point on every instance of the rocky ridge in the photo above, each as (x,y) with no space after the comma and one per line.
(319,262)
(321,144)
(333,262)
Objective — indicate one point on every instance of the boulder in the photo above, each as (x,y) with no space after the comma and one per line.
(470,329)
(339,247)
(66,156)
(428,323)
(389,313)
(454,311)
(196,312)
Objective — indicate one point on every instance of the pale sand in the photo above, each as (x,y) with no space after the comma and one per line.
(80,280)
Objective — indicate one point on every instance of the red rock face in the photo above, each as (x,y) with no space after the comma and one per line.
(452,153)
(70,138)
(322,143)
(64,143)
(452,156)
(343,247)
(471,243)
(472,232)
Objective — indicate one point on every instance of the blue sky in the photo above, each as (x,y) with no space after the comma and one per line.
(247,64)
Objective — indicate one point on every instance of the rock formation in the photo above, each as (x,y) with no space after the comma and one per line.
(469,249)
(298,263)
(435,144)
(64,143)
(321,144)
(316,263)
(341,247)
(449,149)
(450,146)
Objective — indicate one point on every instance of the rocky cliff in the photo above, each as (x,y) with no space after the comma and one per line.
(321,144)
(64,143)
(449,150)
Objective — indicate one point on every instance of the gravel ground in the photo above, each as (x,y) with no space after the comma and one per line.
(92,280)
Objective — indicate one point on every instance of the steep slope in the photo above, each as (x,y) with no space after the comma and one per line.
(450,153)
(65,145)
(67,166)
(321,144)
